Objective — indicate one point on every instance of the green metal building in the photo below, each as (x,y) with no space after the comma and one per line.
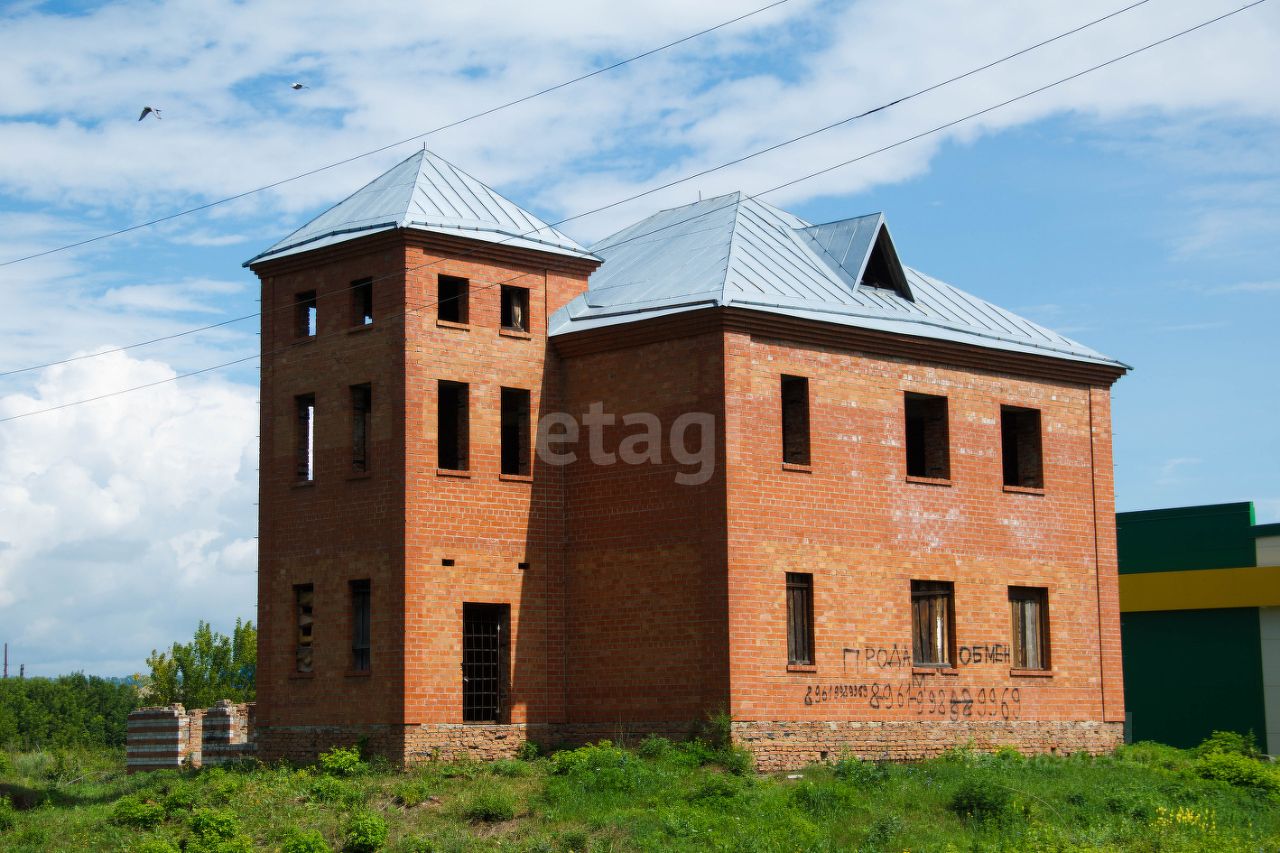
(1200,623)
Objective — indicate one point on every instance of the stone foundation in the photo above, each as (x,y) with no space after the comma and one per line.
(170,737)
(781,745)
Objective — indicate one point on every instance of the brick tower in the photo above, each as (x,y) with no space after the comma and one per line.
(418,304)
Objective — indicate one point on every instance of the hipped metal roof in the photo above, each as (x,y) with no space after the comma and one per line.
(426,193)
(734,250)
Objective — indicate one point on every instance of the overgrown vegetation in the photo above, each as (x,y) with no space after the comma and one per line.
(67,711)
(658,796)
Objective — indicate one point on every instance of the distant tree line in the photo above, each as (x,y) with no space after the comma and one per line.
(70,710)
(86,710)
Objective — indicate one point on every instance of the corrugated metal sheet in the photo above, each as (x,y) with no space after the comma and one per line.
(427,193)
(733,250)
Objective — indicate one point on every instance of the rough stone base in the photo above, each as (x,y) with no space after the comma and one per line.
(780,745)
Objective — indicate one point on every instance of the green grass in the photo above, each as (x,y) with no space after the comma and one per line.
(661,796)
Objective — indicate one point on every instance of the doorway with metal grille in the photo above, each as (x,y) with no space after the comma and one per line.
(484,661)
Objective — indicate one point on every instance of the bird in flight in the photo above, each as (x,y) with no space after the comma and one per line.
(149,111)
(296,86)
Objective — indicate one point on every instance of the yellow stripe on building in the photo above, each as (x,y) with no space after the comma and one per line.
(1208,589)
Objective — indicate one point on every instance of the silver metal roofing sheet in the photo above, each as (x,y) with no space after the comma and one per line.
(427,193)
(735,250)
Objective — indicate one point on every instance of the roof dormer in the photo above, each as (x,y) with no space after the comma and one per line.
(861,250)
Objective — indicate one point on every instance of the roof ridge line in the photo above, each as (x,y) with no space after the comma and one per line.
(723,298)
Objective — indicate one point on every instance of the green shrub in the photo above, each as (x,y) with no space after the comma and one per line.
(1237,770)
(7,817)
(342,761)
(1231,743)
(528,751)
(416,844)
(326,789)
(882,831)
(510,769)
(716,729)
(488,804)
(980,800)
(6,764)
(1153,754)
(154,845)
(131,811)
(365,832)
(602,767)
(413,792)
(716,787)
(179,800)
(305,841)
(654,747)
(209,824)
(819,800)
(864,774)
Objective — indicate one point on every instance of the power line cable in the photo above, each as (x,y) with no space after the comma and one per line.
(776,146)
(781,186)
(416,137)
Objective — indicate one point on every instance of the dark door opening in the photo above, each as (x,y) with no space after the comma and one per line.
(484,662)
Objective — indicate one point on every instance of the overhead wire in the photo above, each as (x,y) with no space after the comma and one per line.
(786,184)
(702,173)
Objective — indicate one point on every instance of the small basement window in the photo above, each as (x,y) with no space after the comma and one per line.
(361,422)
(304,437)
(928,453)
(515,308)
(451,299)
(1020,451)
(362,302)
(453,426)
(799,619)
(303,599)
(306,316)
(515,431)
(932,623)
(360,612)
(795,420)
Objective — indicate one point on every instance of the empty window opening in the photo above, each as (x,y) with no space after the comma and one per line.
(306,316)
(360,610)
(361,421)
(362,302)
(928,454)
(932,623)
(799,619)
(305,436)
(451,299)
(795,420)
(484,662)
(515,308)
(303,597)
(1020,447)
(1029,608)
(515,431)
(453,426)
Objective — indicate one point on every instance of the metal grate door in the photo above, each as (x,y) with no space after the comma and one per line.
(483,639)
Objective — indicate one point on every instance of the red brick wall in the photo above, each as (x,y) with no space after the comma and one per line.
(865,533)
(343,526)
(646,582)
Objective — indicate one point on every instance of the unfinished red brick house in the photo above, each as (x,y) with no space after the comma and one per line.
(513,489)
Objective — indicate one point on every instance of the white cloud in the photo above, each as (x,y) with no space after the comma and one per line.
(128,519)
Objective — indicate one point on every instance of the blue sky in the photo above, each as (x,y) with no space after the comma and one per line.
(1136,210)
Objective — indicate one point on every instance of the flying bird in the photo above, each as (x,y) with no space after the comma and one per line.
(296,86)
(149,111)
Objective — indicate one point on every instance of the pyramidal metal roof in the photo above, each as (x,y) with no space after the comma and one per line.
(426,193)
(735,250)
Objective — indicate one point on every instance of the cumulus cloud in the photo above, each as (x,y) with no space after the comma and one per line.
(126,520)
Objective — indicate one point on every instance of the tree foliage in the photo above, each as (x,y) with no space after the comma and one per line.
(212,666)
(70,710)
